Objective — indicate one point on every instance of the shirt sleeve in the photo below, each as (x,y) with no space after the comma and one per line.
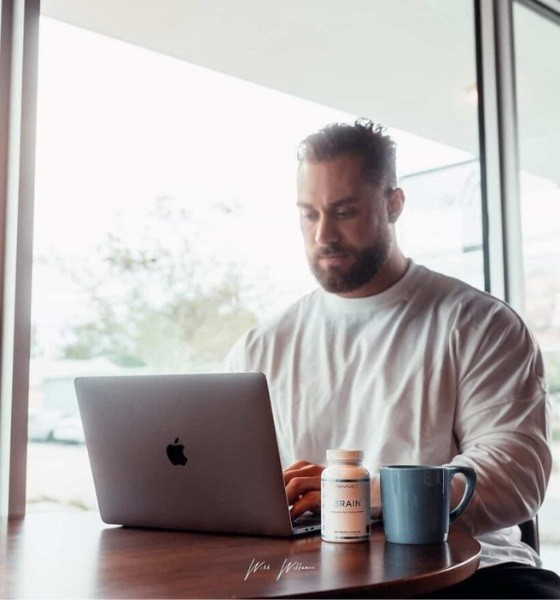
(236,360)
(502,420)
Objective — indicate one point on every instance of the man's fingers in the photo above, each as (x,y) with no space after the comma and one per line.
(311,501)
(303,487)
(304,470)
(299,486)
(297,465)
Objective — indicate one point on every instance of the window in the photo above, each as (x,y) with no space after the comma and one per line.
(166,223)
(537,47)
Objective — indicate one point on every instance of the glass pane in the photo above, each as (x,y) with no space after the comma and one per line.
(165,218)
(537,48)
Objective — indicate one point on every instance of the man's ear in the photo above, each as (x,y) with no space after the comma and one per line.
(395,205)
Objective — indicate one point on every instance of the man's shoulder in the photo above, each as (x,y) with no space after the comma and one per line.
(464,301)
(440,284)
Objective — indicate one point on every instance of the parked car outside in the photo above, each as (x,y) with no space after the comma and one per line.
(49,426)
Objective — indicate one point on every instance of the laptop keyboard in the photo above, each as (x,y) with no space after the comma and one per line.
(307,520)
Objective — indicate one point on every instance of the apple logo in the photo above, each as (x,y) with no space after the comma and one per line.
(175,453)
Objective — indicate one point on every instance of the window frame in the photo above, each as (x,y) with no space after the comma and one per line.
(19,40)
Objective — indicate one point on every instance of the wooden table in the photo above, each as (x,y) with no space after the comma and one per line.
(74,555)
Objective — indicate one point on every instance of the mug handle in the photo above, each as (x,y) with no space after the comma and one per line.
(470,476)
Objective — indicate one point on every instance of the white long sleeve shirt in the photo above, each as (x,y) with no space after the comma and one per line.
(431,371)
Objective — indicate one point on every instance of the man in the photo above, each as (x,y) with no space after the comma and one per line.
(405,363)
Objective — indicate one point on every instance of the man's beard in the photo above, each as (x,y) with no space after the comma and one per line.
(366,264)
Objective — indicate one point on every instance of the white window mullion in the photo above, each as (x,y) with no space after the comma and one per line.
(499,150)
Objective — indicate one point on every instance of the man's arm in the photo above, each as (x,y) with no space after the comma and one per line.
(501,422)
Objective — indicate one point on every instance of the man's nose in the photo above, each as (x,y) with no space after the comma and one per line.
(326,231)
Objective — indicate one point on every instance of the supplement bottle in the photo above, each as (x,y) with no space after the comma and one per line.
(345,498)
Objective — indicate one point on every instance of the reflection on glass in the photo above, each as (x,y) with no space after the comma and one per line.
(537,48)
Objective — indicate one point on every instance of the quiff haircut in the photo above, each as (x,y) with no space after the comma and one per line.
(365,139)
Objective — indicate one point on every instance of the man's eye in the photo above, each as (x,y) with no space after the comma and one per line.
(309,216)
(344,214)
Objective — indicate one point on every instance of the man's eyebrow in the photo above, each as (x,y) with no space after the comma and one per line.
(344,201)
(336,204)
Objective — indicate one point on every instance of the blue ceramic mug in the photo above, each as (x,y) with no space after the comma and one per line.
(415,502)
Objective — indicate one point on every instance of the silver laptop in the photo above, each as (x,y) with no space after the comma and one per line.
(192,452)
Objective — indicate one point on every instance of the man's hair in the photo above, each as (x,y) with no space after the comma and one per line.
(364,138)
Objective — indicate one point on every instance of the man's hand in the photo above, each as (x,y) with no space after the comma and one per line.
(303,487)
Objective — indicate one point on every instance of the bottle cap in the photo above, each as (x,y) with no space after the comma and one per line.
(339,454)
